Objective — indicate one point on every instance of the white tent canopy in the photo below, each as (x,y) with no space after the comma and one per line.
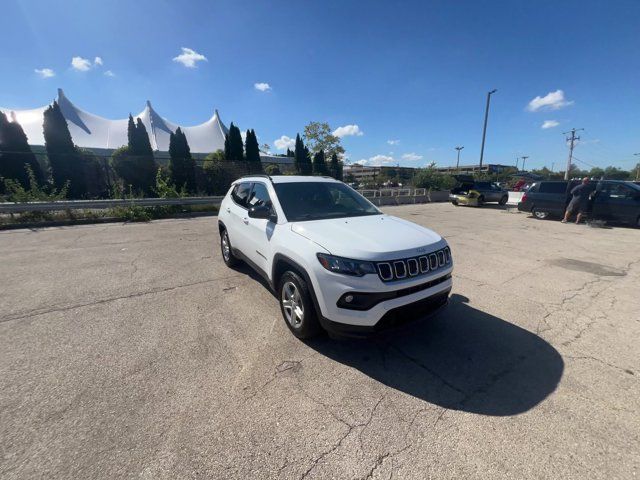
(92,131)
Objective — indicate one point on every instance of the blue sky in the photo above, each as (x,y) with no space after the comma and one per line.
(415,73)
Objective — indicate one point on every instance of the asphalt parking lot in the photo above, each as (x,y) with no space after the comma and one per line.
(130,350)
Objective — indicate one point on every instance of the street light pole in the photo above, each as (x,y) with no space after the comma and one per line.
(524,159)
(458,161)
(637,168)
(484,129)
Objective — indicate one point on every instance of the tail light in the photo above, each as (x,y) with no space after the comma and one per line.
(524,197)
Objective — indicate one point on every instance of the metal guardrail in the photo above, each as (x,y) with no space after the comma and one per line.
(10,207)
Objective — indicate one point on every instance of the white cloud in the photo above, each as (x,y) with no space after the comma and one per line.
(393,142)
(550,124)
(551,101)
(377,160)
(284,142)
(189,58)
(348,130)
(263,87)
(109,73)
(97,61)
(45,72)
(80,64)
(411,157)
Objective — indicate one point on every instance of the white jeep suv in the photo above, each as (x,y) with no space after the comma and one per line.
(332,258)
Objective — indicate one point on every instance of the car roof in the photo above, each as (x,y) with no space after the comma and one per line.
(287,179)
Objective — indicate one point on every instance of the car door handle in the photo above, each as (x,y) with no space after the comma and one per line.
(245,220)
(228,210)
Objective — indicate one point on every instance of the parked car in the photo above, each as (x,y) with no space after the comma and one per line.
(476,193)
(612,200)
(332,258)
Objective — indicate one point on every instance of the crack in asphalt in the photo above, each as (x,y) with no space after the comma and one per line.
(39,312)
(427,369)
(350,429)
(595,359)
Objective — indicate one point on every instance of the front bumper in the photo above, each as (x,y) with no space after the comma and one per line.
(330,288)
(393,319)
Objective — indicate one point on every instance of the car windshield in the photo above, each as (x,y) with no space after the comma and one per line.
(321,200)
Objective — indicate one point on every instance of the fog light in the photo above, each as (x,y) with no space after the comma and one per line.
(348,298)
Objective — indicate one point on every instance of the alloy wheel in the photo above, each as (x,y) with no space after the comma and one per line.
(226,247)
(292,304)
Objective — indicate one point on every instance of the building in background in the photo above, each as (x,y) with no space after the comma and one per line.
(361,173)
(471,169)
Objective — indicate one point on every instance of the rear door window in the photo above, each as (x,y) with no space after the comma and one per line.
(240,193)
(618,190)
(553,187)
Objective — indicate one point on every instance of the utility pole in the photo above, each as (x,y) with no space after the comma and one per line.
(486,118)
(572,139)
(458,161)
(637,168)
(524,159)
(517,158)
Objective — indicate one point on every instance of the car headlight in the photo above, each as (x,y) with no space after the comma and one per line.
(346,266)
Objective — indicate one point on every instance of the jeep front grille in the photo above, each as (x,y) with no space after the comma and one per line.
(414,266)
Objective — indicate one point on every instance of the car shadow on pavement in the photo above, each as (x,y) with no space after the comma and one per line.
(462,359)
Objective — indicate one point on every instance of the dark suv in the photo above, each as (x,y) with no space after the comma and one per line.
(612,200)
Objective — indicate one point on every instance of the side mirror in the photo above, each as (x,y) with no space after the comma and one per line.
(264,212)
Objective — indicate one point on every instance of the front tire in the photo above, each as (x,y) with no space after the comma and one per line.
(540,214)
(480,201)
(228,257)
(297,307)
(503,201)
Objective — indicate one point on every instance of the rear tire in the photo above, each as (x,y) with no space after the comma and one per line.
(503,201)
(297,307)
(480,201)
(228,257)
(540,214)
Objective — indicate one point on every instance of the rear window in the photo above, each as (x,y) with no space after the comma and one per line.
(553,187)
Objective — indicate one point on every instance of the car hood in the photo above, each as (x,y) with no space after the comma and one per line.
(373,237)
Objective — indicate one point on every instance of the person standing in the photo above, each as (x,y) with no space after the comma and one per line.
(579,201)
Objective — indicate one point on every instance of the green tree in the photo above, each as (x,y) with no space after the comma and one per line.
(63,155)
(181,164)
(144,166)
(134,163)
(16,154)
(272,169)
(335,167)
(218,175)
(233,149)
(96,174)
(132,138)
(596,172)
(252,151)
(320,164)
(431,179)
(615,173)
(318,136)
(302,160)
